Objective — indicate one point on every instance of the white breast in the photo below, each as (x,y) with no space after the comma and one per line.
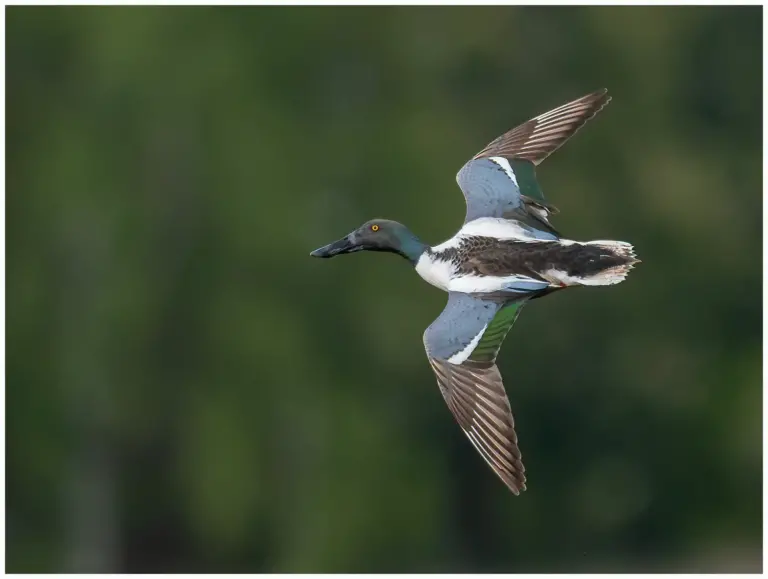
(434,271)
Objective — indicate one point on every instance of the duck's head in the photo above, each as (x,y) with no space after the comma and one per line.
(376,235)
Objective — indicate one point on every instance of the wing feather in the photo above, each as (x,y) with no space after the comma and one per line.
(541,136)
(473,390)
(500,181)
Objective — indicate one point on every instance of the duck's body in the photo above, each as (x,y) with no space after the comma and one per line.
(491,255)
(505,254)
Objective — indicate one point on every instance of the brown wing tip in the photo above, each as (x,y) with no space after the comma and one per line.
(539,137)
(516,485)
(599,99)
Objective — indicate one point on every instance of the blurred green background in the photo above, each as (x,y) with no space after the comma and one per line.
(187,390)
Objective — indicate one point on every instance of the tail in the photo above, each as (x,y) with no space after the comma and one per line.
(621,252)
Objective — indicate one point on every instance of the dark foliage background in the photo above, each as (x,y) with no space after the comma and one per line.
(188,391)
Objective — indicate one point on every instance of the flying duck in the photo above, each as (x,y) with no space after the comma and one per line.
(505,254)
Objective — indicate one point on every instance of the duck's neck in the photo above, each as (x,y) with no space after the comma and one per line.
(410,247)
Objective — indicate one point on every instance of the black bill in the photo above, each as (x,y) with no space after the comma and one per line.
(344,245)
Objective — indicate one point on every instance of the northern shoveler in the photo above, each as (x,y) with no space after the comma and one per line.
(505,254)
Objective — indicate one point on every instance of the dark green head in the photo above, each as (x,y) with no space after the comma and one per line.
(377,235)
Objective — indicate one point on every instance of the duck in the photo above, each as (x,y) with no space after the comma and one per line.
(506,254)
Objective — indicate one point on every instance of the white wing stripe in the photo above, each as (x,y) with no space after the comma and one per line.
(460,357)
(504,164)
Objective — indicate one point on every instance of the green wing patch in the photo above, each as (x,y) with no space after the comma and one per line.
(525,173)
(489,345)
(535,210)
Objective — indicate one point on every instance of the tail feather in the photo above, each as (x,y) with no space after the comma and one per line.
(615,274)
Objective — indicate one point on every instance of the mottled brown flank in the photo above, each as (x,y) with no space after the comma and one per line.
(502,257)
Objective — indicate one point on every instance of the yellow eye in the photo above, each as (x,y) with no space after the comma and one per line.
(374,227)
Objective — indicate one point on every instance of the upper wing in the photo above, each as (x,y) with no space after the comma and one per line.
(538,138)
(462,344)
(501,177)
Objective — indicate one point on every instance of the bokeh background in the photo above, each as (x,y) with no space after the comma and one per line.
(187,390)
